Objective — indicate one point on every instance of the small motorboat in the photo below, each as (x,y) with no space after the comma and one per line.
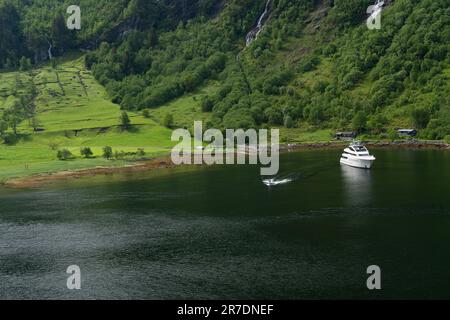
(275,182)
(357,155)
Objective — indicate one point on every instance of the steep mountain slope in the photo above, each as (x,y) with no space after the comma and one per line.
(314,65)
(30,28)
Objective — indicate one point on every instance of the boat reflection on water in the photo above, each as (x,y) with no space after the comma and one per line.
(357,185)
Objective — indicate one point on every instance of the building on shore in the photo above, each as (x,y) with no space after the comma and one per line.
(349,135)
(407,132)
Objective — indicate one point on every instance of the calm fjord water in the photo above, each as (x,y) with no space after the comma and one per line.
(218,232)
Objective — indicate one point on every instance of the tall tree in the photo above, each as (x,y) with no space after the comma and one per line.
(61,37)
(11,37)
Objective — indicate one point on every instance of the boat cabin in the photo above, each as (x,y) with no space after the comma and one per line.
(407,132)
(357,149)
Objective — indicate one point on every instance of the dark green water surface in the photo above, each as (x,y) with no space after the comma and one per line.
(218,232)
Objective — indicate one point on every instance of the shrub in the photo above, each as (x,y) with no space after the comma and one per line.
(207,104)
(125,120)
(53,145)
(420,117)
(288,122)
(392,134)
(238,119)
(377,124)
(107,152)
(25,64)
(274,116)
(309,64)
(86,152)
(272,83)
(64,154)
(359,122)
(447,138)
(119,155)
(168,121)
(146,113)
(140,152)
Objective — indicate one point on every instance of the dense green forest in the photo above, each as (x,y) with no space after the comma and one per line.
(29,27)
(314,65)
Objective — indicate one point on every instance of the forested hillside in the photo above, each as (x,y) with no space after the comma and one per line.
(30,27)
(315,64)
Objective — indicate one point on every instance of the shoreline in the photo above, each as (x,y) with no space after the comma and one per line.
(402,144)
(164,162)
(31,181)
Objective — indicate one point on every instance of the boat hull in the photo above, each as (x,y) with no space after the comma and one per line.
(358,163)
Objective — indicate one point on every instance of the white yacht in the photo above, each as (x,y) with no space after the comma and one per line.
(356,155)
(275,182)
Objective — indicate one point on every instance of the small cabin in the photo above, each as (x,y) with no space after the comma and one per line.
(407,132)
(350,135)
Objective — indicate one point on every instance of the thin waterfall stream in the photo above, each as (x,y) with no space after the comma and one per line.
(254,33)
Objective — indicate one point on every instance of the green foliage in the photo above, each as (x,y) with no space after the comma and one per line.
(238,119)
(377,124)
(25,64)
(207,104)
(64,154)
(349,12)
(393,134)
(86,152)
(359,122)
(288,122)
(273,83)
(140,152)
(420,117)
(274,116)
(107,152)
(3,127)
(146,113)
(309,64)
(168,121)
(11,35)
(439,126)
(125,121)
(30,28)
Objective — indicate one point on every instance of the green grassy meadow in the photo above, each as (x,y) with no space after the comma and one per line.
(72,111)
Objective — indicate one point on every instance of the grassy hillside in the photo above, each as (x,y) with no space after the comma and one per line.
(72,110)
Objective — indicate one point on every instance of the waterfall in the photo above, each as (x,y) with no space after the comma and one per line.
(377,8)
(49,51)
(253,34)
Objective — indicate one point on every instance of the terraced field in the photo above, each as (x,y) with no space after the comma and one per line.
(72,111)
